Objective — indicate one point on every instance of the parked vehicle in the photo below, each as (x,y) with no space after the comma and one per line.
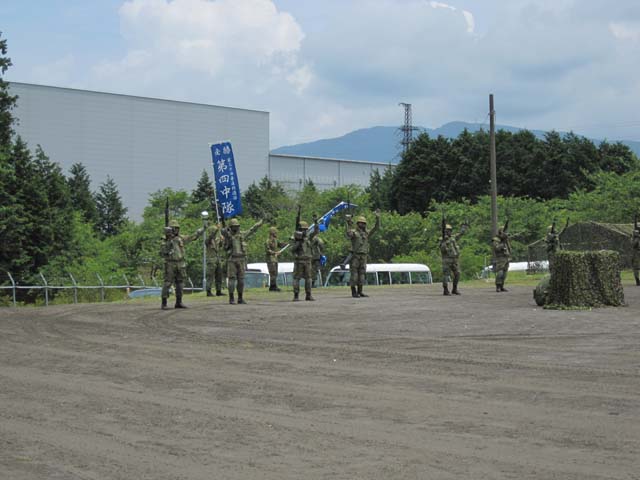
(383,274)
(257,275)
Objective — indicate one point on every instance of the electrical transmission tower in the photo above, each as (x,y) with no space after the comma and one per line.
(407,129)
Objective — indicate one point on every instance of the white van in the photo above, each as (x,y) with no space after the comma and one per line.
(383,274)
(257,275)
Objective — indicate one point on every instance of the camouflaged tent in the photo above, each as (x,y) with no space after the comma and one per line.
(588,236)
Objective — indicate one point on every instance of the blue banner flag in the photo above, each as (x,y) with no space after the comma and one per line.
(226,179)
(324,220)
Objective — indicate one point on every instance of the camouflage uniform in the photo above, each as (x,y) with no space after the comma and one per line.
(216,260)
(236,248)
(502,257)
(359,252)
(271,248)
(635,258)
(175,267)
(450,252)
(302,259)
(552,241)
(317,249)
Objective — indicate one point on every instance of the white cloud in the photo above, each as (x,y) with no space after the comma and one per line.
(625,30)
(224,39)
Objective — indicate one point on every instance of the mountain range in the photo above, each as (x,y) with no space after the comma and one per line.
(382,144)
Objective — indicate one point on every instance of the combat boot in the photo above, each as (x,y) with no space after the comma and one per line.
(296,297)
(232,300)
(445,290)
(179,303)
(164,304)
(360,292)
(309,298)
(209,294)
(241,300)
(455,290)
(502,289)
(354,294)
(219,293)
(637,281)
(498,288)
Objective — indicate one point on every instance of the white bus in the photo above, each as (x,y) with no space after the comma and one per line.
(257,275)
(383,274)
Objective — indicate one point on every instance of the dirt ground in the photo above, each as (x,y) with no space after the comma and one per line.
(406,384)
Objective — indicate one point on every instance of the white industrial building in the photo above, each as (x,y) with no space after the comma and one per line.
(146,144)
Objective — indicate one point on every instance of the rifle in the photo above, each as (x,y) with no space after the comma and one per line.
(506,226)
(298,220)
(443,224)
(166,212)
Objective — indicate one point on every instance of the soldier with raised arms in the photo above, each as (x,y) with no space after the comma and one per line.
(175,267)
(216,259)
(359,238)
(272,251)
(236,248)
(450,252)
(552,241)
(502,256)
(302,252)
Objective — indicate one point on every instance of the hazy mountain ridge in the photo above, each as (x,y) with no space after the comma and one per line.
(382,144)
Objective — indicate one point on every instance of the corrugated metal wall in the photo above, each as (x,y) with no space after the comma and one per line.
(144,144)
(292,170)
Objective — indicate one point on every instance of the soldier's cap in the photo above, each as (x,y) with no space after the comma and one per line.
(361,219)
(168,230)
(234,222)
(448,227)
(304,225)
(273,230)
(174,224)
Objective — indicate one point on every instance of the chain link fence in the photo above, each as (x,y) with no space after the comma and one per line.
(75,289)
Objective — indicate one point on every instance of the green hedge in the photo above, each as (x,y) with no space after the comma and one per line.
(585,279)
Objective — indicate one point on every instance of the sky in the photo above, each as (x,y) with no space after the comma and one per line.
(323,68)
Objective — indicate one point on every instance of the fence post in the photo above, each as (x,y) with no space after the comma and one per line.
(46,290)
(13,288)
(75,289)
(126,281)
(101,287)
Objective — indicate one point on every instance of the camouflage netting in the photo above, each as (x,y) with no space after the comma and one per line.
(585,279)
(589,236)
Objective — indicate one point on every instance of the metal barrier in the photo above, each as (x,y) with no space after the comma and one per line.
(46,287)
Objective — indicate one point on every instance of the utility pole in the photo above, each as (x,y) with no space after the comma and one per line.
(492,161)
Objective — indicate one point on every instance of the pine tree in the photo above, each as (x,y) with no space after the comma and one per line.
(111,211)
(7,102)
(81,196)
(204,190)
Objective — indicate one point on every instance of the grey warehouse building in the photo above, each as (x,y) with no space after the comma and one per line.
(146,144)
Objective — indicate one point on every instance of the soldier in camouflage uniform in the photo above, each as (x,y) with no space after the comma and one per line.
(302,258)
(359,252)
(175,267)
(216,260)
(502,257)
(236,248)
(552,241)
(450,252)
(635,258)
(272,250)
(317,249)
